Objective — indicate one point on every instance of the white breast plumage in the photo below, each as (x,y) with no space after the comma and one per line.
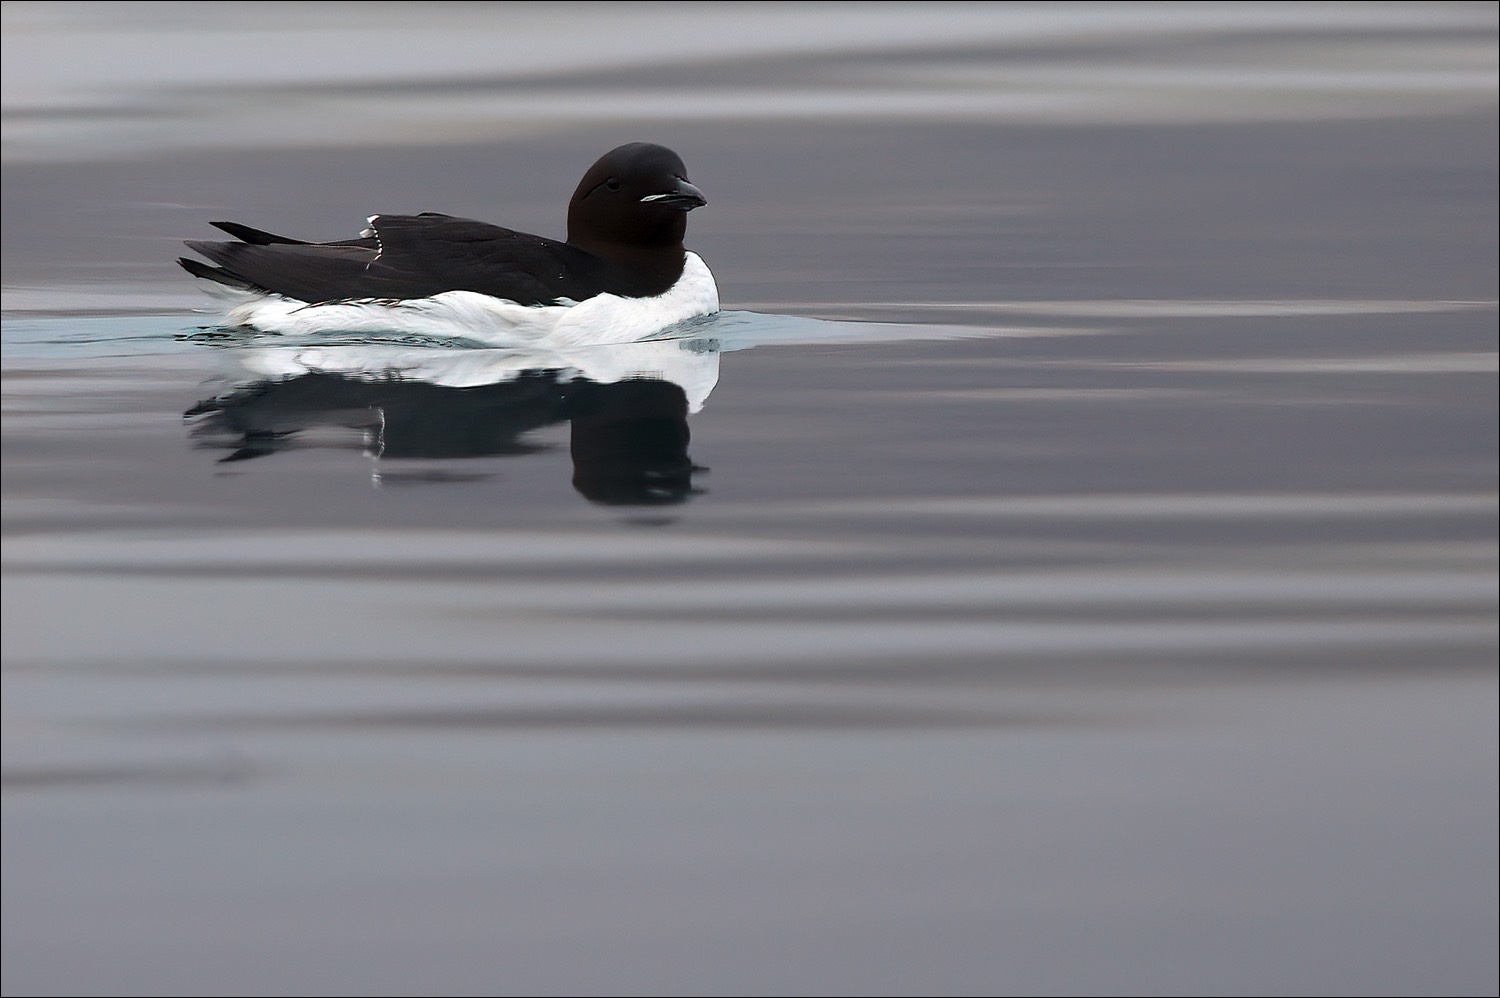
(467,315)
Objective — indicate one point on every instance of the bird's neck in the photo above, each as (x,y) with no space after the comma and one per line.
(635,271)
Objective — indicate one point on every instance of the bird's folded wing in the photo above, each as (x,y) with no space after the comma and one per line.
(402,257)
(427,253)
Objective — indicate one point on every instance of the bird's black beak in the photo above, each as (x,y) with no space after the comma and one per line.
(683,196)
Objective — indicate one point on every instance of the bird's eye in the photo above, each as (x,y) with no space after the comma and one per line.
(612,183)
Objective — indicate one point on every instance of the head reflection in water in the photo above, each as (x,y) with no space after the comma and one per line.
(627,408)
(630,443)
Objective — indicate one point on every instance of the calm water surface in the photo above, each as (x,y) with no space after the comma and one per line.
(1068,565)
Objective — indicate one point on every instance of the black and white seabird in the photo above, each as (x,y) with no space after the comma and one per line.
(622,273)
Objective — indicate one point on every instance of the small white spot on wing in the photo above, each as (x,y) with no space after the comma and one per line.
(373,233)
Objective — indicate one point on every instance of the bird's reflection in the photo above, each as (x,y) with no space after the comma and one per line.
(627,406)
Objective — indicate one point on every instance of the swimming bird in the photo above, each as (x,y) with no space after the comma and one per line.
(622,273)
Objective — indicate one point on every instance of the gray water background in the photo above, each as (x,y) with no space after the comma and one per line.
(1116,616)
